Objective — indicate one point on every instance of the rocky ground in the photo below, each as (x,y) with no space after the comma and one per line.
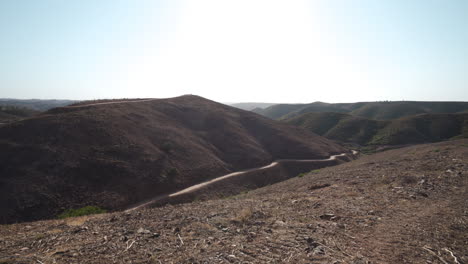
(407,205)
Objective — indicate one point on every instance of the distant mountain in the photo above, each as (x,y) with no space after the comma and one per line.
(371,110)
(36,104)
(406,130)
(113,154)
(251,106)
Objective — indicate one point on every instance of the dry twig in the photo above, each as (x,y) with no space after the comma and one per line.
(181,241)
(453,255)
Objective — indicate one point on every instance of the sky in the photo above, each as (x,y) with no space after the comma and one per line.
(289,51)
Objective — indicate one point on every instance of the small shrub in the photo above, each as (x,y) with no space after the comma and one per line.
(172,172)
(166,147)
(300,175)
(87,210)
(243,216)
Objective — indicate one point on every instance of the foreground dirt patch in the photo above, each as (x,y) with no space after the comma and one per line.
(400,206)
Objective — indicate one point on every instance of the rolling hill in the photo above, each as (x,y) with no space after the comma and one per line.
(371,110)
(415,129)
(117,153)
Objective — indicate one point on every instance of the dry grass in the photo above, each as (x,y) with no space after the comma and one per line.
(243,216)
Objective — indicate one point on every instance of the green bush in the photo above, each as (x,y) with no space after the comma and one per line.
(87,210)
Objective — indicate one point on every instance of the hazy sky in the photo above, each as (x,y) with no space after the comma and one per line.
(233,51)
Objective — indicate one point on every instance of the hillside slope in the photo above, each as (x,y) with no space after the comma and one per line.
(371,110)
(10,113)
(399,206)
(415,129)
(116,154)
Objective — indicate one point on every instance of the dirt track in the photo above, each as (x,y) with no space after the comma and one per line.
(112,102)
(199,186)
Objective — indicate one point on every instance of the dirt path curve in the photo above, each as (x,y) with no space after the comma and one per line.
(113,102)
(196,187)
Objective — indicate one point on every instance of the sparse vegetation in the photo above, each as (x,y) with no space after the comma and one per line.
(87,210)
(300,175)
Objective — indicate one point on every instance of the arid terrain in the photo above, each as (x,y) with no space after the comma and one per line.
(401,206)
(115,153)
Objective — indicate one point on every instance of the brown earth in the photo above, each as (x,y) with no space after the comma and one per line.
(400,206)
(116,153)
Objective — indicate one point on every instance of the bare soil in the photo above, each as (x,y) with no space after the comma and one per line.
(400,206)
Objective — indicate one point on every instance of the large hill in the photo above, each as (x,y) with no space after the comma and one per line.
(113,154)
(371,110)
(414,129)
(400,206)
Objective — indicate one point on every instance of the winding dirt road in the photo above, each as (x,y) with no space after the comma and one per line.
(196,187)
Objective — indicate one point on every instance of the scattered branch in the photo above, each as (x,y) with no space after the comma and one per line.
(129,246)
(453,255)
(430,250)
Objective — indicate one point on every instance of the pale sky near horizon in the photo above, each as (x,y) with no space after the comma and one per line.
(287,51)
